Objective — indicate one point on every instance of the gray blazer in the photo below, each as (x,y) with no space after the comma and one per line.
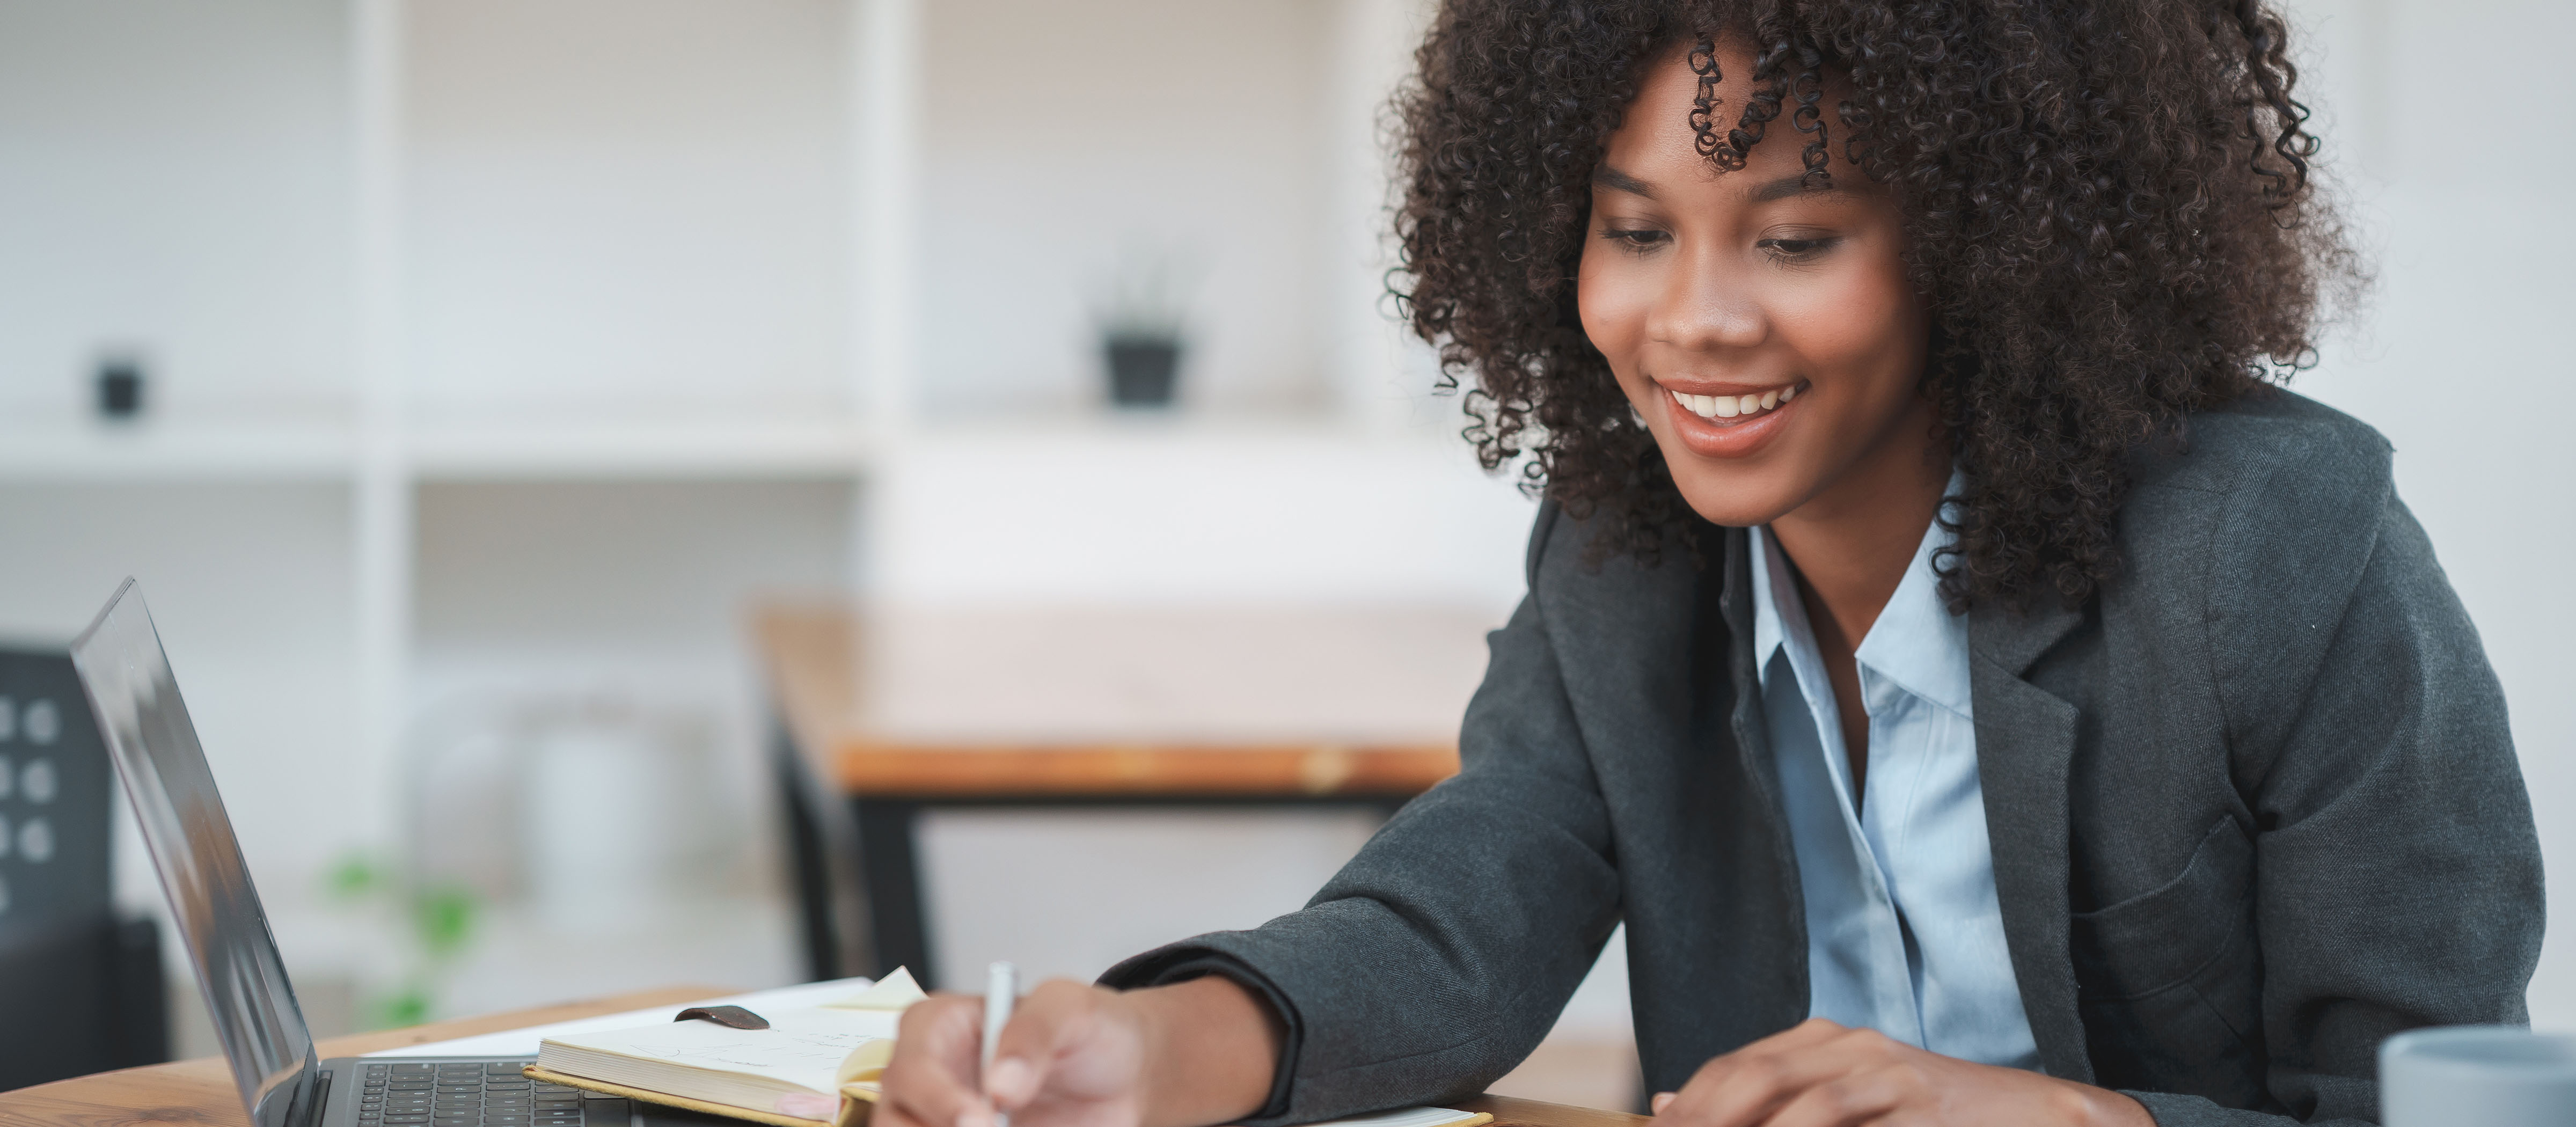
(2253,809)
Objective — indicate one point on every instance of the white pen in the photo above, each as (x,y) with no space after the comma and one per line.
(1001,990)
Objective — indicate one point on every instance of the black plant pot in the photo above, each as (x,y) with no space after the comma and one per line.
(120,389)
(1141,370)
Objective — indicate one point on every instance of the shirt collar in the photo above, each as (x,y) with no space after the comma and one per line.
(1771,615)
(1916,642)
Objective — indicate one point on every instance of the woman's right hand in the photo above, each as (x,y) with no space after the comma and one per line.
(1073,1055)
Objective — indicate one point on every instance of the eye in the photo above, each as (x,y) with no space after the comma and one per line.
(1636,240)
(1799,249)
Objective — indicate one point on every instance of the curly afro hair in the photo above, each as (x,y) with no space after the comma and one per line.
(2107,204)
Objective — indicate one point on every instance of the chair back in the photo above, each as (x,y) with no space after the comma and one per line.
(82,990)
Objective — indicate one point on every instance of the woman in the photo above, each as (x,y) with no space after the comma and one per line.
(1983,696)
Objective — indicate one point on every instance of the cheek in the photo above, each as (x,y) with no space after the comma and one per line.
(1612,296)
(1862,325)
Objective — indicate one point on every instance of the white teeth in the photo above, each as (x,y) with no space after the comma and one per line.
(1732,406)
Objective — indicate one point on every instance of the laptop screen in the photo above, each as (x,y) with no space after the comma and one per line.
(155,750)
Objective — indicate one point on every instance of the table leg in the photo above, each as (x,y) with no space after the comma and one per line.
(889,877)
(142,1024)
(806,850)
(889,858)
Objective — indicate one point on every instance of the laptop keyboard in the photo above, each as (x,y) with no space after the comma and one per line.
(471,1094)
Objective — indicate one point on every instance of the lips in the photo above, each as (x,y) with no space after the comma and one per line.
(1731,420)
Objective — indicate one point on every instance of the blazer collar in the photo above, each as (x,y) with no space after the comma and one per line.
(2014,639)
(2025,741)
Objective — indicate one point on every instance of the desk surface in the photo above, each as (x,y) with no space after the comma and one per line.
(811,654)
(200,1092)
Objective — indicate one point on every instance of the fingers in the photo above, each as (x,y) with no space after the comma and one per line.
(1856,1098)
(1052,1019)
(1813,1031)
(931,1081)
(1823,1075)
(1043,1061)
(1749,1086)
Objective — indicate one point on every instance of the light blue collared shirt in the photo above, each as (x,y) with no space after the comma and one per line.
(1904,934)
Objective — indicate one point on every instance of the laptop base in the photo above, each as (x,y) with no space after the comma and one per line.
(475,1092)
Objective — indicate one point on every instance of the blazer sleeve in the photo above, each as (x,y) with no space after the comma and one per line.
(2397,871)
(1436,960)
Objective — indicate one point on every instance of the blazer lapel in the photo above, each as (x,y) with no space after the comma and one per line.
(1745,720)
(1657,678)
(2025,739)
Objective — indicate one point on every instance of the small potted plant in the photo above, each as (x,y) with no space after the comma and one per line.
(1142,317)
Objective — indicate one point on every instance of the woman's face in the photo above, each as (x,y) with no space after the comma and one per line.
(1765,331)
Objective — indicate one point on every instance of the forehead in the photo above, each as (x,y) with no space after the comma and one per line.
(1656,143)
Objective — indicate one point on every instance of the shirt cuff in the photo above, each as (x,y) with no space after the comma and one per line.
(1171,965)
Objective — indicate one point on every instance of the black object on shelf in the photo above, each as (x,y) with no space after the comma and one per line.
(1142,370)
(95,980)
(120,389)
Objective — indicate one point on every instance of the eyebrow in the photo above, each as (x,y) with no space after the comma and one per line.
(1779,189)
(1788,186)
(1618,181)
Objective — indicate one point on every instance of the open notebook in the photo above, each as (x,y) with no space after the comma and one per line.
(813,1067)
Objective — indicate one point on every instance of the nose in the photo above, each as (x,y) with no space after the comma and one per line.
(1707,306)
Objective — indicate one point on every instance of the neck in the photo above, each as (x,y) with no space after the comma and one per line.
(1852,541)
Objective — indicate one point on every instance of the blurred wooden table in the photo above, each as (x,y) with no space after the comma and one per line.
(853,798)
(199,1093)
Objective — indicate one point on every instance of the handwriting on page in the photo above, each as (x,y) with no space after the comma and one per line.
(770,1048)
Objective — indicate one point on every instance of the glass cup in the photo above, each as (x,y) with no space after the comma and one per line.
(2489,1075)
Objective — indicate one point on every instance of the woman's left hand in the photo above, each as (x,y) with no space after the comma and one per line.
(1820,1074)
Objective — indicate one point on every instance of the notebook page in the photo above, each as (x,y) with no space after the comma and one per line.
(522,1042)
(1406,1117)
(804,1048)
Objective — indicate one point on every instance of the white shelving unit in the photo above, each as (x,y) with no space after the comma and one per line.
(499,353)
(498,350)
(658,244)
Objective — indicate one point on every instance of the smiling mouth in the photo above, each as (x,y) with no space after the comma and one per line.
(1736,406)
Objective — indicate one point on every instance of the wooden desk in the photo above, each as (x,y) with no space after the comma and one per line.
(853,799)
(199,1093)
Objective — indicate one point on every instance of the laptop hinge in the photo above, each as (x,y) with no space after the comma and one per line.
(313,1102)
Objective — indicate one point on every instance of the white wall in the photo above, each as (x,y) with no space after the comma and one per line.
(1058,136)
(174,181)
(612,612)
(2460,192)
(515,569)
(1166,515)
(587,740)
(627,206)
(1070,893)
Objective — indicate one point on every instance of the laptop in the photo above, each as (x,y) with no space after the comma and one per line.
(146,728)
